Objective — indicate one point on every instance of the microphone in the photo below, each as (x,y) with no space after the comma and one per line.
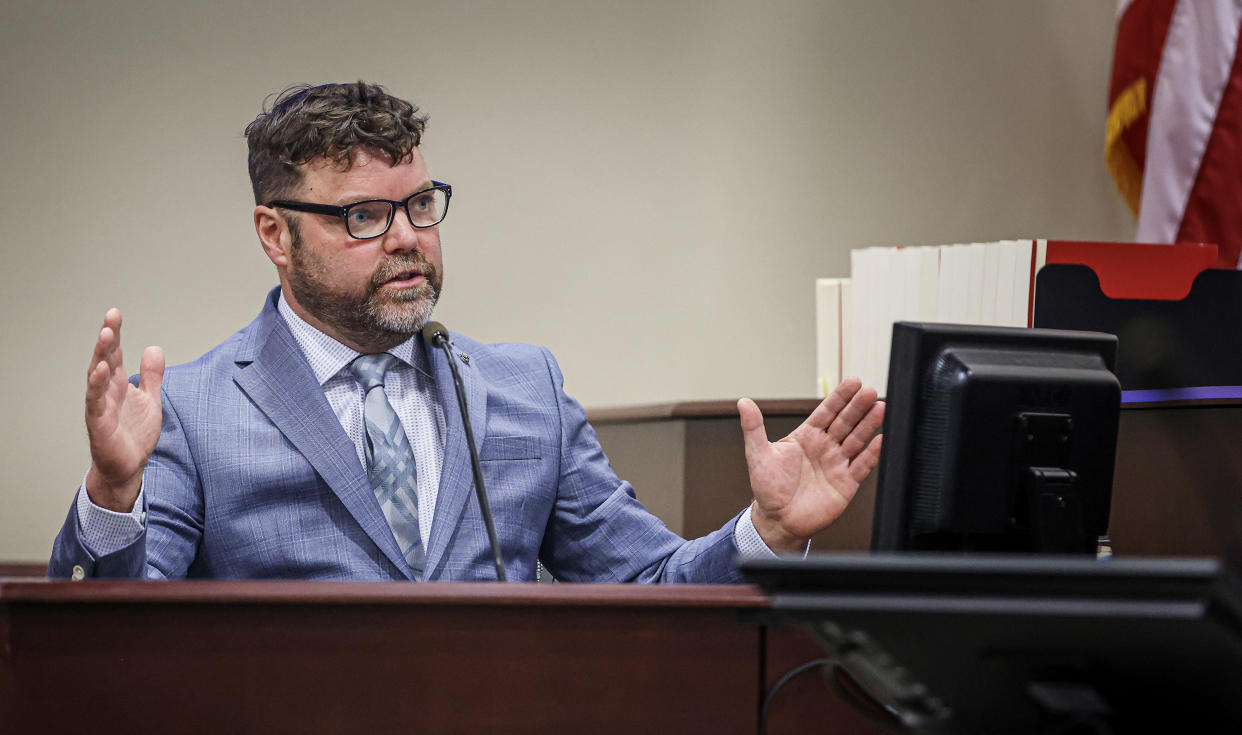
(435,334)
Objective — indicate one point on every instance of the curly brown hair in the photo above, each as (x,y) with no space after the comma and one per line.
(331,120)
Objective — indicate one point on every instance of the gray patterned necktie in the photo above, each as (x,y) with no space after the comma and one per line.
(390,461)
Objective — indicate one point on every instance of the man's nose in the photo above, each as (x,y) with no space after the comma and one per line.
(402,235)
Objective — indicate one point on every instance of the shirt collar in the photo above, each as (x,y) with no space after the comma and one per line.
(327,356)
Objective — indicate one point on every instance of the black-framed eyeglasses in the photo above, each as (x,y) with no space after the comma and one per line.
(372,218)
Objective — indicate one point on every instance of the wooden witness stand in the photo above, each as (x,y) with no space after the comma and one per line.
(231,657)
(380,657)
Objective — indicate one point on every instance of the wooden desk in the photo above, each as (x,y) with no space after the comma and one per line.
(232,657)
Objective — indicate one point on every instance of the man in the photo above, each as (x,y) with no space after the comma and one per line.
(323,441)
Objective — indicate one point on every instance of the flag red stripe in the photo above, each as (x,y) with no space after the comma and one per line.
(1141,32)
(1214,209)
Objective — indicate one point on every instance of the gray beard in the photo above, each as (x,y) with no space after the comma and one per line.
(408,313)
(374,318)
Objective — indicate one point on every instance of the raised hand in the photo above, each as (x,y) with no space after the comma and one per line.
(123,422)
(804,482)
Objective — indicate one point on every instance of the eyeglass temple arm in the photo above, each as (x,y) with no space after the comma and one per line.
(308,207)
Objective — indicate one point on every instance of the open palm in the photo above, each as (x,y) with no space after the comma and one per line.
(122,421)
(803,482)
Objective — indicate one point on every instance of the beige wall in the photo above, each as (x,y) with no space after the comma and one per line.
(647,187)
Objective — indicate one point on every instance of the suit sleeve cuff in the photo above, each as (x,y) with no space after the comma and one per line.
(103,531)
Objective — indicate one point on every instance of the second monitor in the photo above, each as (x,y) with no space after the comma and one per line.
(997,439)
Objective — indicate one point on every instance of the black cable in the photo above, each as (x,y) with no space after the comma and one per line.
(873,709)
(866,709)
(767,701)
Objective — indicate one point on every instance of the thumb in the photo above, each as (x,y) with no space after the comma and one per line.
(753,433)
(151,372)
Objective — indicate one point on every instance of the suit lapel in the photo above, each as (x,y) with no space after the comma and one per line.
(281,384)
(456,477)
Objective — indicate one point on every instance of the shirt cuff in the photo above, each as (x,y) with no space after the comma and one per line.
(104,531)
(749,542)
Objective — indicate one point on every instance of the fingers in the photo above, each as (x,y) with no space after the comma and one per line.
(151,372)
(112,323)
(857,440)
(753,433)
(848,418)
(866,460)
(96,389)
(112,319)
(108,345)
(105,343)
(104,360)
(828,409)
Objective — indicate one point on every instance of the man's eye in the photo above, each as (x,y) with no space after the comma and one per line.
(363,215)
(422,203)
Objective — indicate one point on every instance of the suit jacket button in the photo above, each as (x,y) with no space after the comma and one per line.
(79,573)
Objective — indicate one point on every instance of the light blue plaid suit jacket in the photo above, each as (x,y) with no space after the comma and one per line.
(254,477)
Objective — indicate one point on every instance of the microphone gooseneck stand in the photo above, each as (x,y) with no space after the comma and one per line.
(437,335)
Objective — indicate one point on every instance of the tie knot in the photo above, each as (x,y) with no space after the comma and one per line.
(370,369)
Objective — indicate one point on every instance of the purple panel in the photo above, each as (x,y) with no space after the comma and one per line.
(1182,394)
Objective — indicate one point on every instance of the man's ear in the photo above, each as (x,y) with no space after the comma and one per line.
(273,234)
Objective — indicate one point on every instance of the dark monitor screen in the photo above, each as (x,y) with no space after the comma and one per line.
(997,439)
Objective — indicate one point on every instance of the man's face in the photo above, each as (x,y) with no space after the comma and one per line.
(368,294)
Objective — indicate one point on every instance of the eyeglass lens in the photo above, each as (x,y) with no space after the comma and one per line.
(371,219)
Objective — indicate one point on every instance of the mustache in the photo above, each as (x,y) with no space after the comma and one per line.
(397,265)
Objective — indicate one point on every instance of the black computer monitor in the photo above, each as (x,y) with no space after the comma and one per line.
(997,439)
